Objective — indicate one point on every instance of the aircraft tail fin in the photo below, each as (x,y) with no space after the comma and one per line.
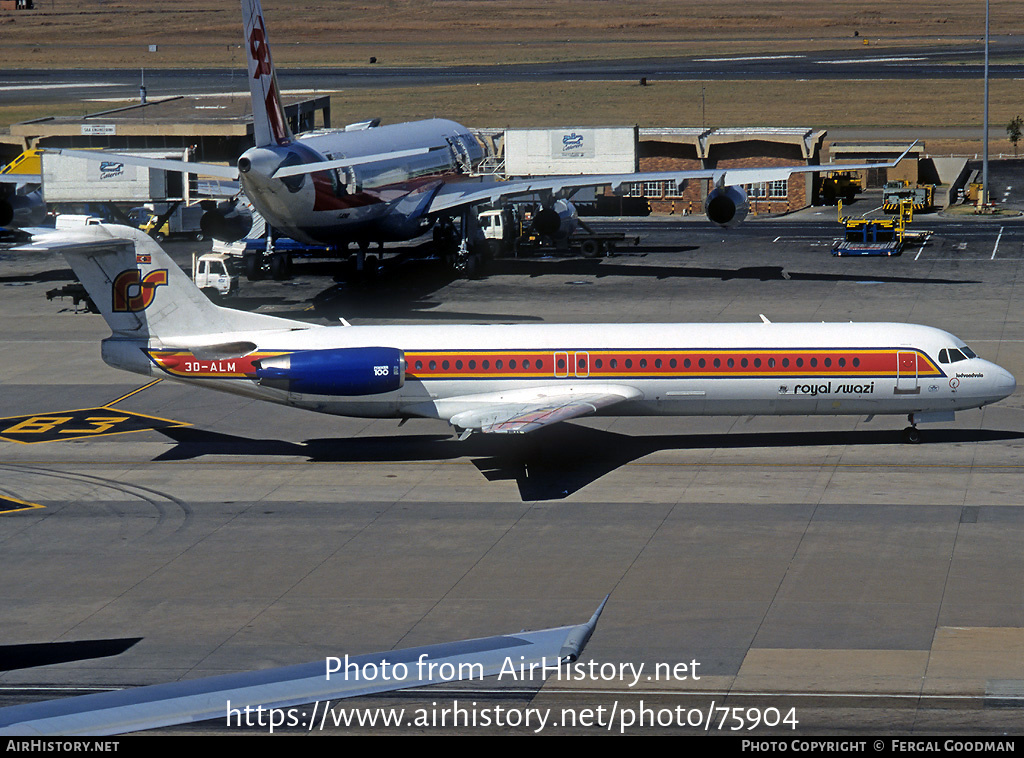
(269,122)
(143,294)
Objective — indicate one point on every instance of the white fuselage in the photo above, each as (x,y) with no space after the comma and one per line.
(673,369)
(379,200)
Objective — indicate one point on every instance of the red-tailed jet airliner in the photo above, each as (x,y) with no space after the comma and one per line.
(369,183)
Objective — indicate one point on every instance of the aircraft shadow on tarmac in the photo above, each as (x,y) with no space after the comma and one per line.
(548,465)
(53,275)
(413,293)
(603,268)
(13,657)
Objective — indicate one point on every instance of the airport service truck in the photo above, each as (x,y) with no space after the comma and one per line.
(509,231)
(216,274)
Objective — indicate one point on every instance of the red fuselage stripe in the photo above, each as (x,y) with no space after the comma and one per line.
(655,364)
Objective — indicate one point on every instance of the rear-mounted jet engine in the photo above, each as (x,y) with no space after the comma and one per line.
(339,371)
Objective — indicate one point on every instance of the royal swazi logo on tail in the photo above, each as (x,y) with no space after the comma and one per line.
(134,292)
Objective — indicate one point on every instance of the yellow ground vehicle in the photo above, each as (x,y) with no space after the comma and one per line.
(921,197)
(840,184)
(182,221)
(876,236)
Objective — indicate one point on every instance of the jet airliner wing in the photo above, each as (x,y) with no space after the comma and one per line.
(138,708)
(522,411)
(462,194)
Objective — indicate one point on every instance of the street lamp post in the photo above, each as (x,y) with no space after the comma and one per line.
(984,163)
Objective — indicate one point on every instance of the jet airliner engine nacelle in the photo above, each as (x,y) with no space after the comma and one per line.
(226,221)
(22,209)
(557,220)
(337,371)
(726,206)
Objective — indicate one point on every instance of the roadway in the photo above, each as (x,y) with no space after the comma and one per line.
(808,563)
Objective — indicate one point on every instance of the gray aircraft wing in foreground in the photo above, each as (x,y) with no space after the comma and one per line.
(153,706)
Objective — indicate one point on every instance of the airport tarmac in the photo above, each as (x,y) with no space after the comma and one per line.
(816,564)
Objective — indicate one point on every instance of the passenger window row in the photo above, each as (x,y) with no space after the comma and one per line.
(539,364)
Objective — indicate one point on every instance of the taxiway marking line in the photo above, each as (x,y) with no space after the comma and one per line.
(998,237)
(896,466)
(139,389)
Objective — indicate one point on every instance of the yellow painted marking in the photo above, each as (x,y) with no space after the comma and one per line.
(14,505)
(469,462)
(125,397)
(101,425)
(100,422)
(36,425)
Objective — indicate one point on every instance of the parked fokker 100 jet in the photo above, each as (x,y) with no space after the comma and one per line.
(370,183)
(518,378)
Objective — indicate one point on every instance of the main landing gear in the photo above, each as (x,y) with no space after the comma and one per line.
(278,265)
(463,245)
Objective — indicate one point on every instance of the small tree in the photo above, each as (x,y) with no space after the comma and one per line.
(1013,131)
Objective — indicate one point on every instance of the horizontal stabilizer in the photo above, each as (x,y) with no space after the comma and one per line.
(188,167)
(312,168)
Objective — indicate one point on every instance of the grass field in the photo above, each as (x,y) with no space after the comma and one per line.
(116,33)
(813,104)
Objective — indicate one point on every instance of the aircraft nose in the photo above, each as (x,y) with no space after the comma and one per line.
(1004,381)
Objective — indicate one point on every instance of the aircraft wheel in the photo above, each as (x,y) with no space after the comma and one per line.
(252,267)
(371,267)
(467,266)
(912,435)
(279,266)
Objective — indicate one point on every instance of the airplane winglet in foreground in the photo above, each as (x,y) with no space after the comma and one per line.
(236,697)
(517,378)
(370,184)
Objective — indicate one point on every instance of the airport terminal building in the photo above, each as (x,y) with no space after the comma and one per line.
(218,130)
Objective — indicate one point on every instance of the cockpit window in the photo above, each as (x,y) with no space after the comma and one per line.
(954,355)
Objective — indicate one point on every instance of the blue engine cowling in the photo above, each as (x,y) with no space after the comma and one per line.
(337,371)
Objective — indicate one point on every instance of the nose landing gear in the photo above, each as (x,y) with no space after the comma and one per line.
(912,435)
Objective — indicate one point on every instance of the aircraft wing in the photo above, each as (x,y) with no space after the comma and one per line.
(140,708)
(522,411)
(461,194)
